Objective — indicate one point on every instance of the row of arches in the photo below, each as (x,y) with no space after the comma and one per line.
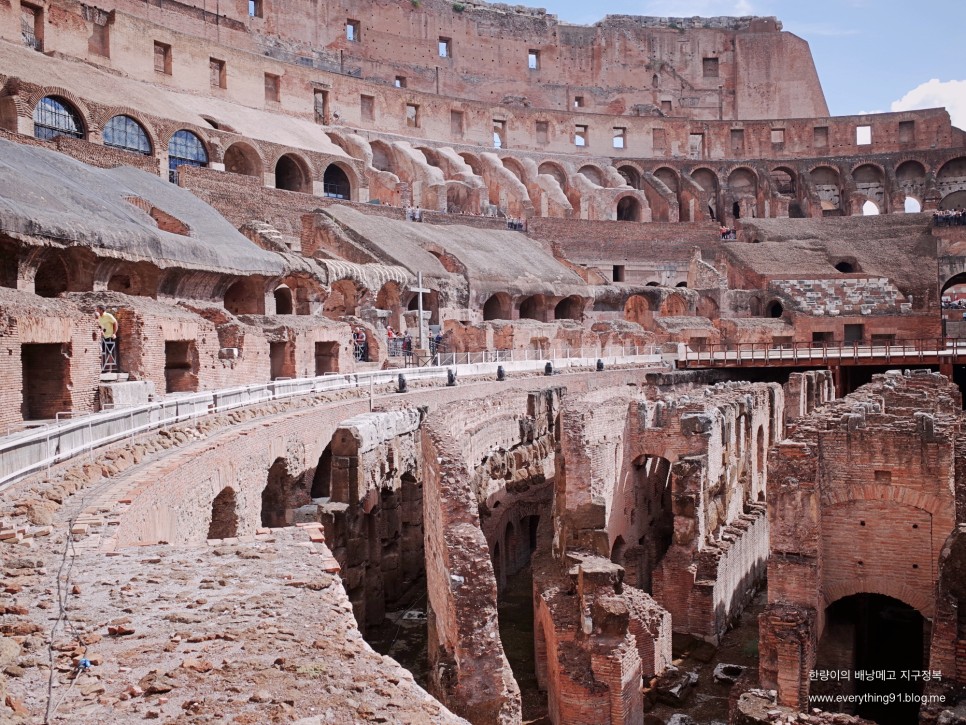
(543,308)
(56,116)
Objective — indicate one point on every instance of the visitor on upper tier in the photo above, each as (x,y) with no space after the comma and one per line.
(109,328)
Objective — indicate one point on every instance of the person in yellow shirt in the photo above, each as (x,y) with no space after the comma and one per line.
(109,327)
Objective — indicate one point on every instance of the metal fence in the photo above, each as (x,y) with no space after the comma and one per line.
(69,436)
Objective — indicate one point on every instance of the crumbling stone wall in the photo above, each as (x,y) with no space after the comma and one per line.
(861,500)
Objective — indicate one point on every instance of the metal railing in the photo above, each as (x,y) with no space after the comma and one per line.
(36,448)
(790,353)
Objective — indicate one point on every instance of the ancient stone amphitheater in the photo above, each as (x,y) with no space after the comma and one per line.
(471,366)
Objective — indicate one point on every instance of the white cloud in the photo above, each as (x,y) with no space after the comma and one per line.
(936,93)
(703,8)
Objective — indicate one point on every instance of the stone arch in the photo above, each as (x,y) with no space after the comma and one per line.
(784,179)
(275,495)
(669,177)
(870,183)
(955,200)
(638,309)
(828,186)
(186,147)
(708,181)
(628,209)
(569,308)
(593,174)
(630,175)
(870,208)
(124,131)
(552,168)
(322,478)
(895,587)
(389,299)
(430,305)
(707,307)
(244,159)
(533,307)
(383,158)
(498,306)
(337,181)
(292,173)
(674,305)
(53,275)
(245,297)
(344,298)
(617,551)
(473,162)
(774,309)
(224,515)
(514,167)
(56,115)
(139,279)
(284,300)
(951,177)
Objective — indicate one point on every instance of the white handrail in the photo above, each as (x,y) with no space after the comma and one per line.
(27,451)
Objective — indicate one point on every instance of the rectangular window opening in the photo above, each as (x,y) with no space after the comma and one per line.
(618,273)
(254,8)
(666,108)
(32,26)
(578,101)
(367,107)
(659,139)
(273,85)
(321,102)
(400,82)
(533,59)
(907,131)
(738,140)
(709,67)
(499,133)
(580,136)
(445,48)
(162,58)
(778,136)
(100,40)
(863,135)
(696,145)
(543,132)
(620,138)
(217,73)
(412,115)
(820,137)
(456,124)
(353,31)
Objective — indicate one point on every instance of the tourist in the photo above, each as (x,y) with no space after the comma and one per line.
(109,329)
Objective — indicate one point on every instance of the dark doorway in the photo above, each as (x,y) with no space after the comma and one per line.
(180,366)
(281,355)
(51,278)
(46,374)
(336,183)
(872,632)
(283,301)
(322,480)
(224,515)
(274,495)
(326,357)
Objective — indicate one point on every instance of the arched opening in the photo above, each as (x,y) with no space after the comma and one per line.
(322,480)
(638,309)
(240,158)
(708,181)
(52,278)
(783,179)
(284,304)
(681,284)
(593,174)
(497,307)
(244,298)
(825,179)
(224,515)
(569,308)
(774,309)
(870,208)
(343,299)
(956,200)
(389,299)
(554,170)
(123,132)
(617,551)
(631,176)
(275,495)
(185,149)
(291,174)
(736,210)
(514,167)
(628,210)
(845,267)
(381,156)
(873,632)
(474,163)
(911,205)
(56,117)
(869,181)
(335,183)
(654,525)
(531,308)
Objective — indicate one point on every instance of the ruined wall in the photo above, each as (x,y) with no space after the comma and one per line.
(861,501)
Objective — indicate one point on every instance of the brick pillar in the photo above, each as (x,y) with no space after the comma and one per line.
(788,643)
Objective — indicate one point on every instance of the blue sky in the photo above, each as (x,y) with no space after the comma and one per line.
(871,55)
